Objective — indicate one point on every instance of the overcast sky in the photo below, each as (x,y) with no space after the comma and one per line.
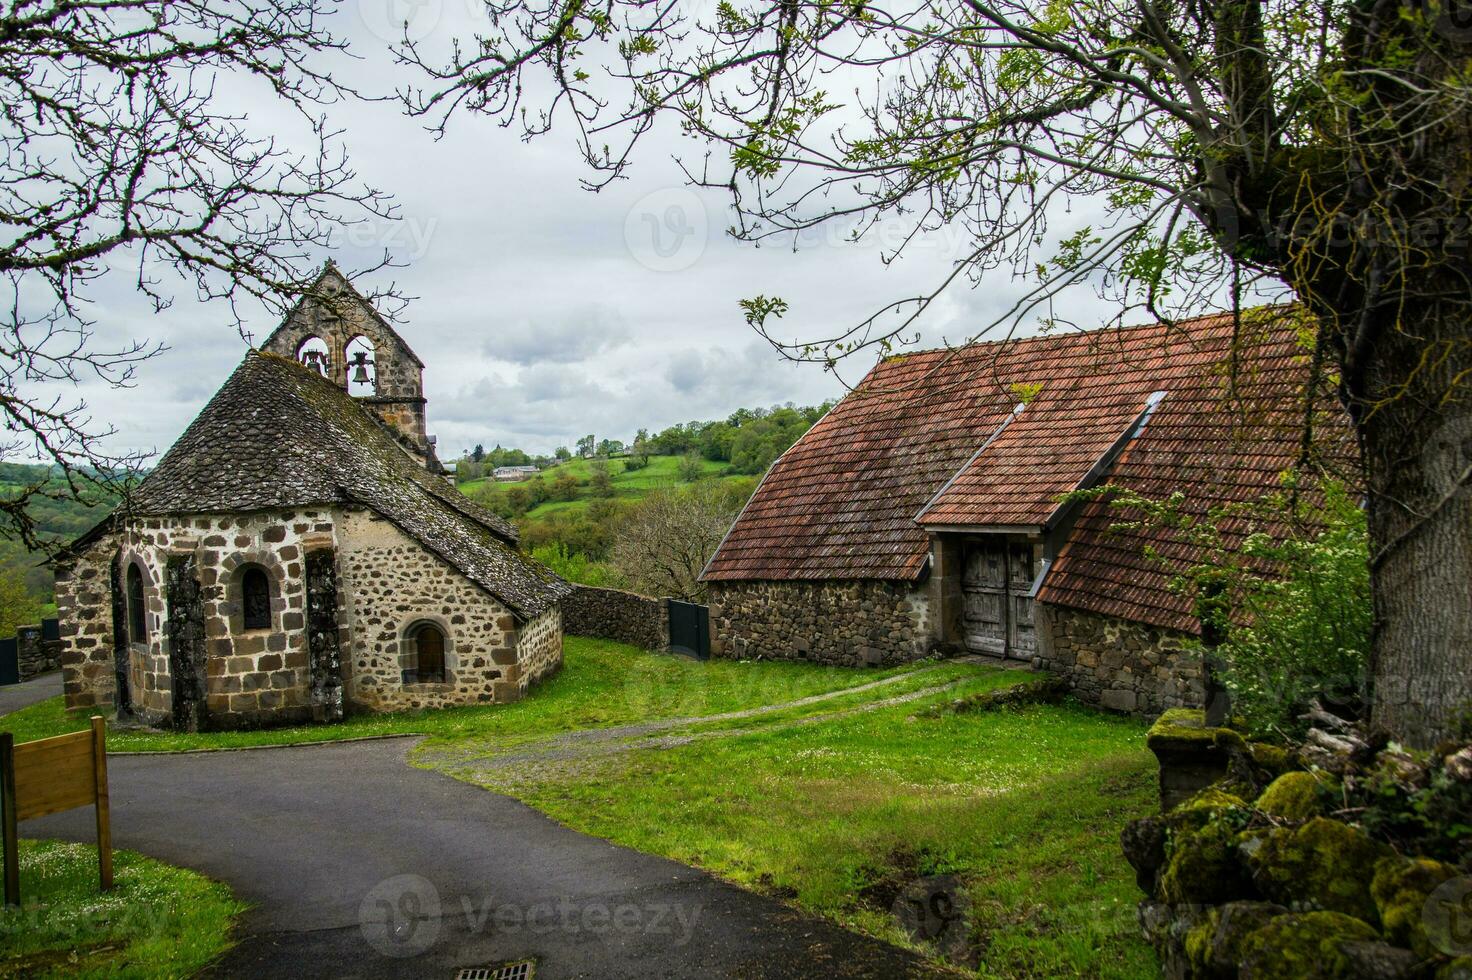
(543,311)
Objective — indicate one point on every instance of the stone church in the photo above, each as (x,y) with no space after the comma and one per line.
(298,553)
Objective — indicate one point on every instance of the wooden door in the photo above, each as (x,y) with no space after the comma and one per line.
(996,591)
(984,592)
(1022,568)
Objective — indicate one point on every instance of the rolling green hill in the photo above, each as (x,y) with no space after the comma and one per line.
(627,485)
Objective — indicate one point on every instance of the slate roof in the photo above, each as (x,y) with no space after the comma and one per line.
(934,440)
(280,435)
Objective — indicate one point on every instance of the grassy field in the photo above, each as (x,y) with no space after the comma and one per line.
(602,683)
(158,921)
(834,789)
(628,485)
(848,812)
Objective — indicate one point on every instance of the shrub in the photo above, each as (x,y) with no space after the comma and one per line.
(1287,579)
(576,567)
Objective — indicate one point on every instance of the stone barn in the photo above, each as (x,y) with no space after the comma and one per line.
(297,555)
(923,513)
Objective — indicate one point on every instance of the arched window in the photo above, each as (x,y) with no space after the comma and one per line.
(255,598)
(314,354)
(362,371)
(137,616)
(427,643)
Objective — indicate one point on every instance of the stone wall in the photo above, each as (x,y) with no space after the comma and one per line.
(345,588)
(1116,663)
(390,584)
(617,615)
(845,622)
(84,609)
(34,655)
(539,648)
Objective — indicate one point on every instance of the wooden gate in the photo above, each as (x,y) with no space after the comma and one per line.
(996,587)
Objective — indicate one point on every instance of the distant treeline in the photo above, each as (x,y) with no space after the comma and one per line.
(749,439)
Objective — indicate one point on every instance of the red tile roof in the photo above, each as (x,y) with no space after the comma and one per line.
(847,500)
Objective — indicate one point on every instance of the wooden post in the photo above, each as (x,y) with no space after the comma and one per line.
(8,819)
(104,812)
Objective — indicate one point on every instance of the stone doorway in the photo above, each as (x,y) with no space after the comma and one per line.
(996,590)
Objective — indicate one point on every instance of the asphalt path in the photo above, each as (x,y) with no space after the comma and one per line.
(360,865)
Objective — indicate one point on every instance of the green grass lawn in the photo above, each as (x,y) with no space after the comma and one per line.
(838,815)
(628,485)
(602,683)
(158,920)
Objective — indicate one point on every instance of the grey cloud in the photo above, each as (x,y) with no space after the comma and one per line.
(559,339)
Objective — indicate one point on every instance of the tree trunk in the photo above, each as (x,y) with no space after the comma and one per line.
(1413,408)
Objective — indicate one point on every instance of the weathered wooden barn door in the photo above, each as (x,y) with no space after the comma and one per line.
(984,592)
(1022,641)
(996,588)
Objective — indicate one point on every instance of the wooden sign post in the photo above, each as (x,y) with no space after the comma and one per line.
(48,776)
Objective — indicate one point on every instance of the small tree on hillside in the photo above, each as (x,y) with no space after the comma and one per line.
(602,481)
(692,467)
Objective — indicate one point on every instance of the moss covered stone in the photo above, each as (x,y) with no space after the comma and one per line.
(1400,888)
(1274,758)
(1204,868)
(1293,796)
(1303,946)
(1323,864)
(1186,728)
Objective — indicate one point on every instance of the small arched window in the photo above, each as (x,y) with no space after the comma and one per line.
(137,615)
(428,643)
(255,598)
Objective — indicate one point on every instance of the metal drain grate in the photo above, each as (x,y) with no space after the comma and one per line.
(520,970)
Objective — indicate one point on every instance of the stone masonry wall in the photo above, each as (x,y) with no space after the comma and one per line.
(1116,663)
(617,615)
(34,655)
(390,583)
(385,583)
(539,648)
(84,608)
(844,622)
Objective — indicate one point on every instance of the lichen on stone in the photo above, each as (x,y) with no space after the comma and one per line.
(1323,864)
(1400,888)
(1304,946)
(1294,796)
